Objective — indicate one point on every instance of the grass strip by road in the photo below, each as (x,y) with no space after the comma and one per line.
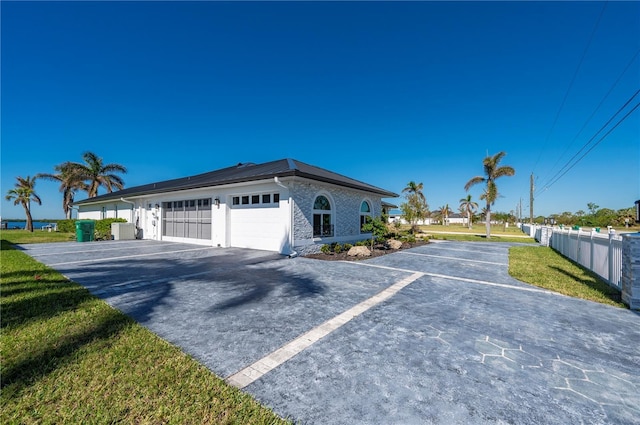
(68,357)
(543,267)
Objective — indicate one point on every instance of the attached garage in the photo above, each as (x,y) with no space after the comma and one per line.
(189,218)
(256,221)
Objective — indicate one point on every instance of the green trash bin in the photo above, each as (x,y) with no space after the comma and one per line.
(85,230)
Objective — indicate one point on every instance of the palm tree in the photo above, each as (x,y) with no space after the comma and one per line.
(70,181)
(443,213)
(23,194)
(97,174)
(414,188)
(469,207)
(491,172)
(416,207)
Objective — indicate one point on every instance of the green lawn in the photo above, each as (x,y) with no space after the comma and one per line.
(68,357)
(544,267)
(457,232)
(37,236)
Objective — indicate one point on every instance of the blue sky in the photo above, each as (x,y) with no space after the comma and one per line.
(381,92)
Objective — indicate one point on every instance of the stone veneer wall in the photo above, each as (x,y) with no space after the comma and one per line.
(631,270)
(345,204)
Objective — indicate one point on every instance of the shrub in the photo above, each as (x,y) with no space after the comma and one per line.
(66,226)
(362,243)
(337,248)
(408,239)
(347,246)
(103,228)
(376,227)
(325,249)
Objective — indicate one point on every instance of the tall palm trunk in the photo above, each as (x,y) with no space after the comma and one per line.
(27,210)
(488,219)
(469,220)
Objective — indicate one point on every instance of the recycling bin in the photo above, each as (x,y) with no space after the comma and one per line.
(85,230)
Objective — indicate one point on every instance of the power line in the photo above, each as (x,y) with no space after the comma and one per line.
(566,95)
(592,137)
(624,71)
(597,143)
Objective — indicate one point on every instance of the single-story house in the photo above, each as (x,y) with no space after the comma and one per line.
(395,216)
(285,206)
(454,218)
(457,218)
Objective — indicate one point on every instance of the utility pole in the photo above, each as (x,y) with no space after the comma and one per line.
(520,211)
(531,200)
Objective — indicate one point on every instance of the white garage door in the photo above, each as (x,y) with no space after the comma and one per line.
(257,228)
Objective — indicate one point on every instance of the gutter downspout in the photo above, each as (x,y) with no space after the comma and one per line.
(292,253)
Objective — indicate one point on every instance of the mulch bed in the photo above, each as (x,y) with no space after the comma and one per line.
(377,252)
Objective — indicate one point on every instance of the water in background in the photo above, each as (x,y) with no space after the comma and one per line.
(37,225)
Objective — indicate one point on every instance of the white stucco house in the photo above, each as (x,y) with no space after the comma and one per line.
(285,206)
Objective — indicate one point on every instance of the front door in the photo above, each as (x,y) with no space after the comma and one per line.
(152,221)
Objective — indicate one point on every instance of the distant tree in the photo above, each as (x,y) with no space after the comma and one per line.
(625,217)
(95,173)
(605,217)
(593,208)
(23,193)
(70,181)
(414,188)
(469,207)
(443,213)
(492,171)
(415,208)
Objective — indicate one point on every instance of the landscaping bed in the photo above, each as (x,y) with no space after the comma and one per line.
(378,251)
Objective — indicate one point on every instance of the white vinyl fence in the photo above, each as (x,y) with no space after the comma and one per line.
(599,252)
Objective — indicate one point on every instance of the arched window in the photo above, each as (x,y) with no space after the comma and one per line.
(322,225)
(365,211)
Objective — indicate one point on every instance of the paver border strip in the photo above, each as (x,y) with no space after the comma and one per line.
(256,370)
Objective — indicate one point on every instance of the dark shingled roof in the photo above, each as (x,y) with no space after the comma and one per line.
(243,173)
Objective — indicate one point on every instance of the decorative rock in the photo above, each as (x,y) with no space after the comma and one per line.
(359,251)
(394,244)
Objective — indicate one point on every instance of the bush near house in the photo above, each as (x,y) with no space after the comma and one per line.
(103,228)
(66,226)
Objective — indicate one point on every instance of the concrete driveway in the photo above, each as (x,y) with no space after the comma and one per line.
(436,334)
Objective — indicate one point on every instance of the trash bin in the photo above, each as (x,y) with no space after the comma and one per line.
(85,230)
(597,229)
(575,227)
